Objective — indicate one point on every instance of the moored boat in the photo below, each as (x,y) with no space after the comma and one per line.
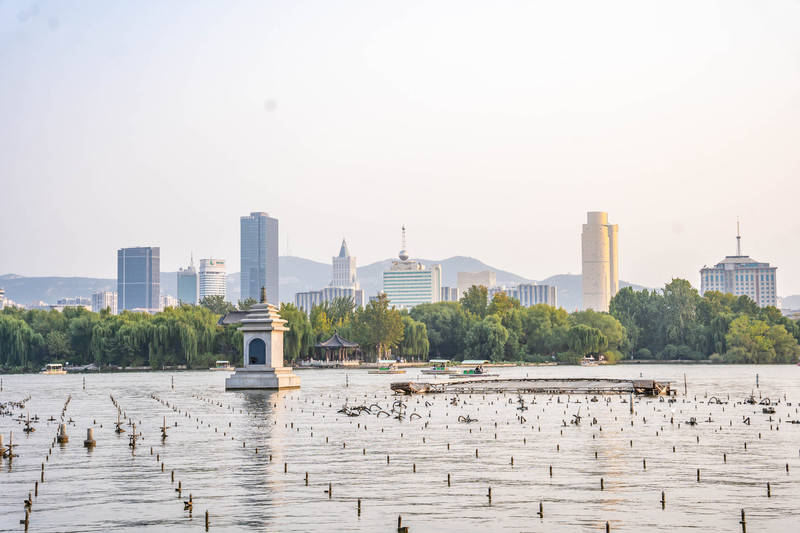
(53,368)
(387,366)
(439,367)
(223,365)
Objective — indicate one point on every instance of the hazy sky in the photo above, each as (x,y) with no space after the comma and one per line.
(488,128)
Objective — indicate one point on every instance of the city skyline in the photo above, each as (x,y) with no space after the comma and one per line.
(656,134)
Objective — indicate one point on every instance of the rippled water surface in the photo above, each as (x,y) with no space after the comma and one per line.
(212,451)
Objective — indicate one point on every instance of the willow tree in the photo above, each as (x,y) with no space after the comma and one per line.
(415,338)
(379,326)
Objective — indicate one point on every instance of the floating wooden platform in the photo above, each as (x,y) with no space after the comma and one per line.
(647,387)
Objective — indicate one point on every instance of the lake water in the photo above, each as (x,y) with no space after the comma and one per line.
(213,454)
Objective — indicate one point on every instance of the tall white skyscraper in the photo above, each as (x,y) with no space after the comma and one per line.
(344,269)
(212,277)
(600,261)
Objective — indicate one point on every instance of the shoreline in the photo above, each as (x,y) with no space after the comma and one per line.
(372,366)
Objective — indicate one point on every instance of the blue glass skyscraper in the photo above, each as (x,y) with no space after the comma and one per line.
(259,249)
(138,278)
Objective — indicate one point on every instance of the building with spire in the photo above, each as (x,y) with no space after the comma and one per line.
(741,275)
(344,269)
(188,284)
(409,283)
(344,284)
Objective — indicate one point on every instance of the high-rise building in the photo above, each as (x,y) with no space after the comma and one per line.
(344,269)
(2,297)
(344,284)
(740,275)
(600,261)
(484,278)
(187,284)
(212,277)
(449,294)
(104,300)
(529,294)
(408,283)
(259,250)
(139,278)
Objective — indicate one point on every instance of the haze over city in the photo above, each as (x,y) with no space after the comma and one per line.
(487,131)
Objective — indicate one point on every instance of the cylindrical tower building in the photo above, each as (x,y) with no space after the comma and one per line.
(599,259)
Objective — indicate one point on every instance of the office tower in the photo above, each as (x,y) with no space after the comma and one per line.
(344,269)
(104,300)
(259,251)
(740,275)
(484,278)
(344,284)
(138,278)
(187,284)
(600,261)
(408,283)
(212,277)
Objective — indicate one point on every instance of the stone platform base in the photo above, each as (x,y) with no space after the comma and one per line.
(278,378)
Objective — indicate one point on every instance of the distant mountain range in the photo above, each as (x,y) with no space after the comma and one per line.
(297,275)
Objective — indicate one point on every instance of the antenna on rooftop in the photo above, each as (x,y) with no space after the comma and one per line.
(738,239)
(403,253)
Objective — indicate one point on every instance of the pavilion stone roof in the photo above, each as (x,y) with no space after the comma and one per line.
(233,317)
(337,342)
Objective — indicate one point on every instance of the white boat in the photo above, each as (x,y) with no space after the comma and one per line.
(223,365)
(588,361)
(53,368)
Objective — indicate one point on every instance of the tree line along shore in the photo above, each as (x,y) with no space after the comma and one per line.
(674,323)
